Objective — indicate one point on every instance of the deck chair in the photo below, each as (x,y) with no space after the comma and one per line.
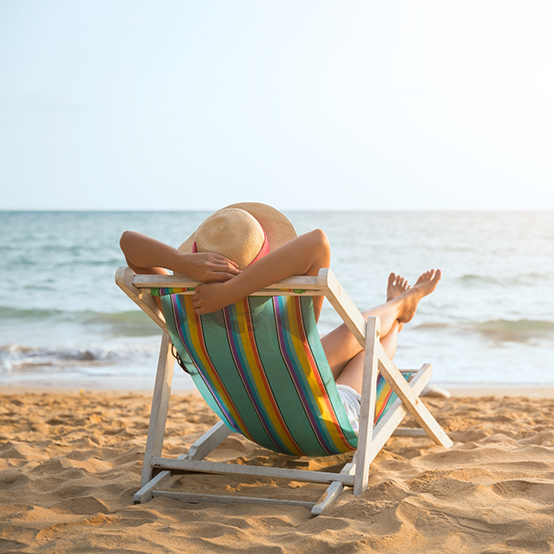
(260,365)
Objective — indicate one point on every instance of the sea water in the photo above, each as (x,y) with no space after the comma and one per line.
(64,322)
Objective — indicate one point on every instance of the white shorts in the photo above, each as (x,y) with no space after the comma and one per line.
(351,401)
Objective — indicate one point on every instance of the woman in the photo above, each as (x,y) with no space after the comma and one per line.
(248,246)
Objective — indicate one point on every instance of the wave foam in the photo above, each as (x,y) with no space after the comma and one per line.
(521,330)
(523,279)
(130,323)
(20,357)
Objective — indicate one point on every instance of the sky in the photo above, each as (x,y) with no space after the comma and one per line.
(305,105)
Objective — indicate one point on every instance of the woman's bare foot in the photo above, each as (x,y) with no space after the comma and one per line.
(424,286)
(396,286)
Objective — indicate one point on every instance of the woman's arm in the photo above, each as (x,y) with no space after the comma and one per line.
(147,255)
(304,255)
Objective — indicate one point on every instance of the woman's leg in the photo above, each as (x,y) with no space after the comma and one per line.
(390,341)
(353,372)
(342,348)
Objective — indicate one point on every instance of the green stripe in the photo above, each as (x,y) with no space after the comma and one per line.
(324,369)
(245,371)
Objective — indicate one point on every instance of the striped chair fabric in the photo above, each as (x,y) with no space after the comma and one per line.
(260,365)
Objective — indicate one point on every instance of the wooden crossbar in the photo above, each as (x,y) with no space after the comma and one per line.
(230,499)
(411,400)
(257,471)
(295,286)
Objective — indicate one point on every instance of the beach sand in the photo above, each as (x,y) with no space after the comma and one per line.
(70,464)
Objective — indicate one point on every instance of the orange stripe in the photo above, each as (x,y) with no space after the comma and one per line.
(196,328)
(282,428)
(333,425)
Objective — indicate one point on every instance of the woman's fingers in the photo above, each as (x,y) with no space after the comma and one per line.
(213,267)
(205,265)
(226,261)
(210,297)
(223,265)
(226,270)
(220,276)
(221,258)
(216,274)
(222,261)
(196,299)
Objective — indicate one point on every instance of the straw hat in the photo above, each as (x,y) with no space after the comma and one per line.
(242,232)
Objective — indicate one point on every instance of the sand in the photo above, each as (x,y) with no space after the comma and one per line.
(70,463)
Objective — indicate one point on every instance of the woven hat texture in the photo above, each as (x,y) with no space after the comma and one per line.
(238,232)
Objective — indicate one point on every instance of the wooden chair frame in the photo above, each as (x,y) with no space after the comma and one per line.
(164,472)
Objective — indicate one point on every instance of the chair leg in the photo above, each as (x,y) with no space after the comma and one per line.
(376,360)
(162,479)
(160,405)
(198,451)
(412,402)
(367,408)
(388,425)
(334,490)
(208,441)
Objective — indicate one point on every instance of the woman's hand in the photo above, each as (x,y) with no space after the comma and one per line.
(210,297)
(208,267)
(150,256)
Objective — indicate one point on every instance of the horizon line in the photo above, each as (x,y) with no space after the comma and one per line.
(314,210)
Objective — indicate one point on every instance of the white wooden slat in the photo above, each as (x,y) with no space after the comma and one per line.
(258,471)
(409,432)
(414,404)
(342,303)
(386,426)
(229,499)
(198,450)
(395,414)
(124,278)
(160,405)
(299,282)
(144,494)
(208,441)
(162,479)
(366,450)
(334,490)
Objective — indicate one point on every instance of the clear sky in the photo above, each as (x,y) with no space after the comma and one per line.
(300,104)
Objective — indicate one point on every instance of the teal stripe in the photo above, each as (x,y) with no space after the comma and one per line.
(215,338)
(393,397)
(319,427)
(286,394)
(314,341)
(172,314)
(245,372)
(217,346)
(300,378)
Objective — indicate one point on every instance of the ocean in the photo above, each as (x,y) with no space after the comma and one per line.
(64,323)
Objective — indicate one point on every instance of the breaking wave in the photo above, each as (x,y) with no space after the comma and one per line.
(521,330)
(132,323)
(523,279)
(16,357)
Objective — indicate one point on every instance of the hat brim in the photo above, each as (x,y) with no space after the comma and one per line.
(277,228)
